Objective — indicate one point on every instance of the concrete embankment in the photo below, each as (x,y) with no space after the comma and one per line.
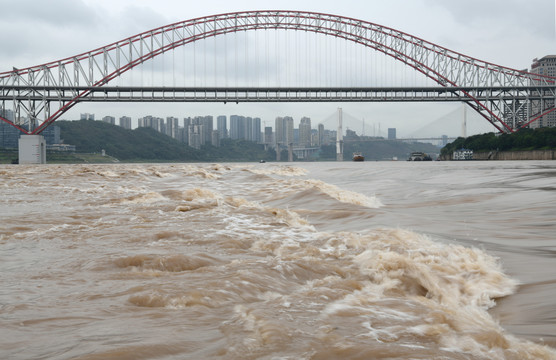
(512,155)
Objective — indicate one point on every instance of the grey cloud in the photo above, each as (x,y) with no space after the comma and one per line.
(54,12)
(533,16)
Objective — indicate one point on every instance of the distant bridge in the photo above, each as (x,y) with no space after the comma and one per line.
(401,139)
(367,139)
(507,98)
(428,139)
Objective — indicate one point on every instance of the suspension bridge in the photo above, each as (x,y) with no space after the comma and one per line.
(274,56)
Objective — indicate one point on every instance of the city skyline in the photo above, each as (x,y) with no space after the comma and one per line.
(360,126)
(224,124)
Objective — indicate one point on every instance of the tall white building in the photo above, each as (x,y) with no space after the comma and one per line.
(305,132)
(109,119)
(284,130)
(237,127)
(321,135)
(221,125)
(289,129)
(256,130)
(268,135)
(172,126)
(150,121)
(279,130)
(125,122)
(196,137)
(545,66)
(87,116)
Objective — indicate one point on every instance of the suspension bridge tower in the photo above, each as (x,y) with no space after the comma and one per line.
(339,138)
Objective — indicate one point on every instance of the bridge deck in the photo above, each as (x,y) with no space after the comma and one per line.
(271,94)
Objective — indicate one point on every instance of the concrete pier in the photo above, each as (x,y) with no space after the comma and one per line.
(32,149)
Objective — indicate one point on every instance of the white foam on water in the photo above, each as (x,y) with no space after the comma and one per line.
(345,196)
(446,291)
(282,170)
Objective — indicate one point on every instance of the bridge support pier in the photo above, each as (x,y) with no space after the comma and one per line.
(339,138)
(32,149)
(290,152)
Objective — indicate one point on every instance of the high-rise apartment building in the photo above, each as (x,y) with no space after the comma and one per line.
(125,122)
(9,136)
(305,132)
(289,129)
(150,121)
(109,120)
(7,114)
(279,131)
(256,130)
(545,66)
(268,135)
(284,130)
(391,133)
(87,116)
(222,127)
(237,127)
(172,126)
(248,134)
(321,135)
(195,136)
(246,128)
(208,124)
(215,141)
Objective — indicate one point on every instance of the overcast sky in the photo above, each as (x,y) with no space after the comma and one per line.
(504,32)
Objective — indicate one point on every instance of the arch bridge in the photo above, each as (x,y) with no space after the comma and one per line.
(507,98)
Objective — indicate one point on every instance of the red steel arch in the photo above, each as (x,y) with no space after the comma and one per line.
(446,67)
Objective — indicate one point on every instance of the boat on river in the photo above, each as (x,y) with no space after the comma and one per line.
(357,156)
(419,156)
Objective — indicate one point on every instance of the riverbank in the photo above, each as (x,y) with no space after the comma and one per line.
(510,155)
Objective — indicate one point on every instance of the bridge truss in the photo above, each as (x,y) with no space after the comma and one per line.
(509,99)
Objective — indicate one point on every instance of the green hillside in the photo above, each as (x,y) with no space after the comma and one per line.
(525,139)
(141,144)
(146,144)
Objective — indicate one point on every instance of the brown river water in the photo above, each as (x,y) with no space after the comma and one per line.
(373,260)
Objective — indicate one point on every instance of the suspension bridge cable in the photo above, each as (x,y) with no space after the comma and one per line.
(287,65)
(307,73)
(349,68)
(204,62)
(163,58)
(214,59)
(141,66)
(236,59)
(194,63)
(174,62)
(297,51)
(256,59)
(226,60)
(152,62)
(184,61)
(336,65)
(267,69)
(277,58)
(245,69)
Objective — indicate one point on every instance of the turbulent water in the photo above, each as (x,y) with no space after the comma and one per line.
(373,260)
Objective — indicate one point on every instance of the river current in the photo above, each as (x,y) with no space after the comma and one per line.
(372,260)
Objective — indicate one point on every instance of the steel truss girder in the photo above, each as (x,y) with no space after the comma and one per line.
(496,96)
(448,68)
